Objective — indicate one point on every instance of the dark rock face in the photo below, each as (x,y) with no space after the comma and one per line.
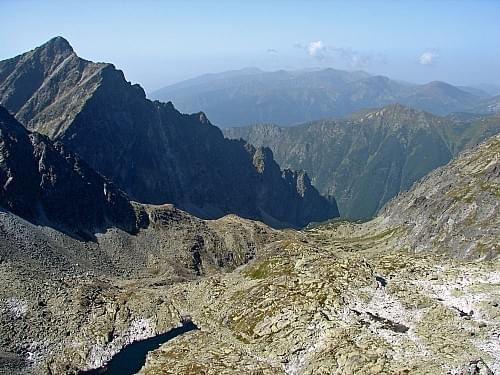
(43,183)
(368,159)
(149,149)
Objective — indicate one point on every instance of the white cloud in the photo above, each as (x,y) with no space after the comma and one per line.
(316,49)
(428,58)
(339,55)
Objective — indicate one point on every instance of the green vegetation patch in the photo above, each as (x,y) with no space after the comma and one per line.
(268,268)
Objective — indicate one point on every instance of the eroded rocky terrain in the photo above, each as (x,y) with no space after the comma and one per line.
(323,305)
(85,271)
(455,208)
(338,298)
(346,298)
(66,304)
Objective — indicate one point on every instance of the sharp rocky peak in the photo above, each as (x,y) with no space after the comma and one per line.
(177,158)
(57,45)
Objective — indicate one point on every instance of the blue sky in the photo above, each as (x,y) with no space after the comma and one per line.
(161,42)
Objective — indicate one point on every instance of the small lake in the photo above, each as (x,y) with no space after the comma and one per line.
(132,357)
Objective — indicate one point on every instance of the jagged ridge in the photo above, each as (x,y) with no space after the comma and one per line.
(369,158)
(149,149)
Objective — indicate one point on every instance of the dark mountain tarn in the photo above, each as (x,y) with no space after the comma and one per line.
(133,356)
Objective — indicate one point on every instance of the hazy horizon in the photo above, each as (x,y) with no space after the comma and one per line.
(451,41)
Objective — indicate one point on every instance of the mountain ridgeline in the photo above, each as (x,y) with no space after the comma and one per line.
(249,96)
(148,149)
(87,274)
(369,158)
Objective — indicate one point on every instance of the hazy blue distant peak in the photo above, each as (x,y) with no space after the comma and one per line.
(490,88)
(210,77)
(236,98)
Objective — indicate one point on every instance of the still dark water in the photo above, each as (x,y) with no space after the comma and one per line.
(132,357)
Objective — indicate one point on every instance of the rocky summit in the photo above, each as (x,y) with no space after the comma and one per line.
(149,149)
(369,158)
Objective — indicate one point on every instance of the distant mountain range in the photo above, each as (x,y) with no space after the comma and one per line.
(148,149)
(369,158)
(249,96)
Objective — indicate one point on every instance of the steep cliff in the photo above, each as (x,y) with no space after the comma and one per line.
(44,183)
(149,149)
(369,158)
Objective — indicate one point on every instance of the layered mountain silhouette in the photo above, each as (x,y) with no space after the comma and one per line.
(149,149)
(249,96)
(369,158)
(88,275)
